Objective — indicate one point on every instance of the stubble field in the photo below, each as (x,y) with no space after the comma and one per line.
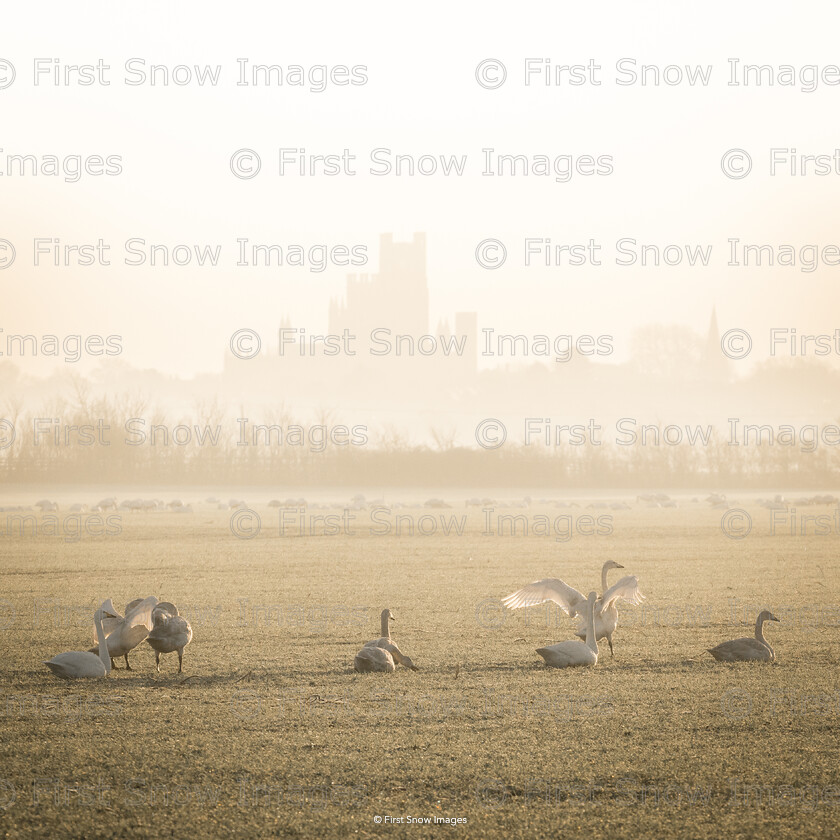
(269,732)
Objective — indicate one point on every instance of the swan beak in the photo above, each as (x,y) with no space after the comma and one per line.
(619,566)
(772,618)
(414,668)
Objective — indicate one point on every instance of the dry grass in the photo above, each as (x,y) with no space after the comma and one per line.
(648,743)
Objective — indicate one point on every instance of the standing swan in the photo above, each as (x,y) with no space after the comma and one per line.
(570,654)
(79,664)
(572,602)
(170,632)
(380,655)
(122,635)
(747,649)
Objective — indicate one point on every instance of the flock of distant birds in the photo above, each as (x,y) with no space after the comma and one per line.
(166,631)
(597,617)
(717,501)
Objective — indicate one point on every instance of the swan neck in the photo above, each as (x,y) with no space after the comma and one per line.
(591,641)
(103,644)
(603,579)
(759,630)
(385,628)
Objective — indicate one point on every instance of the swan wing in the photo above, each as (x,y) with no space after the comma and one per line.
(627,589)
(140,614)
(113,621)
(550,589)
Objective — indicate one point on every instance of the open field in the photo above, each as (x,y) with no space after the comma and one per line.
(269,732)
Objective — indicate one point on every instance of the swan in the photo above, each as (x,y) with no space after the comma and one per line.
(747,649)
(170,632)
(573,653)
(124,634)
(384,625)
(80,664)
(386,643)
(572,602)
(381,659)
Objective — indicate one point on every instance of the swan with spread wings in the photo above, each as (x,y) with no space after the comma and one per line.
(573,602)
(124,633)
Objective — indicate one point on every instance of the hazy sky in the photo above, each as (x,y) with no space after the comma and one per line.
(421,98)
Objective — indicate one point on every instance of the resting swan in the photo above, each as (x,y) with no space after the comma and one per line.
(573,653)
(170,632)
(747,649)
(572,602)
(79,664)
(122,635)
(382,654)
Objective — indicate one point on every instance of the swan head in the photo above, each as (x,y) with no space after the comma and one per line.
(406,661)
(766,615)
(387,615)
(611,564)
(102,613)
(108,609)
(593,596)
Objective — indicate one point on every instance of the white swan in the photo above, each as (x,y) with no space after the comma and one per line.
(574,653)
(374,660)
(367,659)
(170,632)
(572,602)
(80,664)
(747,649)
(123,634)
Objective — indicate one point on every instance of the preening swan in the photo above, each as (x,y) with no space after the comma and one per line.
(80,664)
(367,661)
(170,632)
(122,635)
(573,602)
(574,653)
(747,649)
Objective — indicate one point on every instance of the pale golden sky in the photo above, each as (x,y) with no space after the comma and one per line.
(421,98)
